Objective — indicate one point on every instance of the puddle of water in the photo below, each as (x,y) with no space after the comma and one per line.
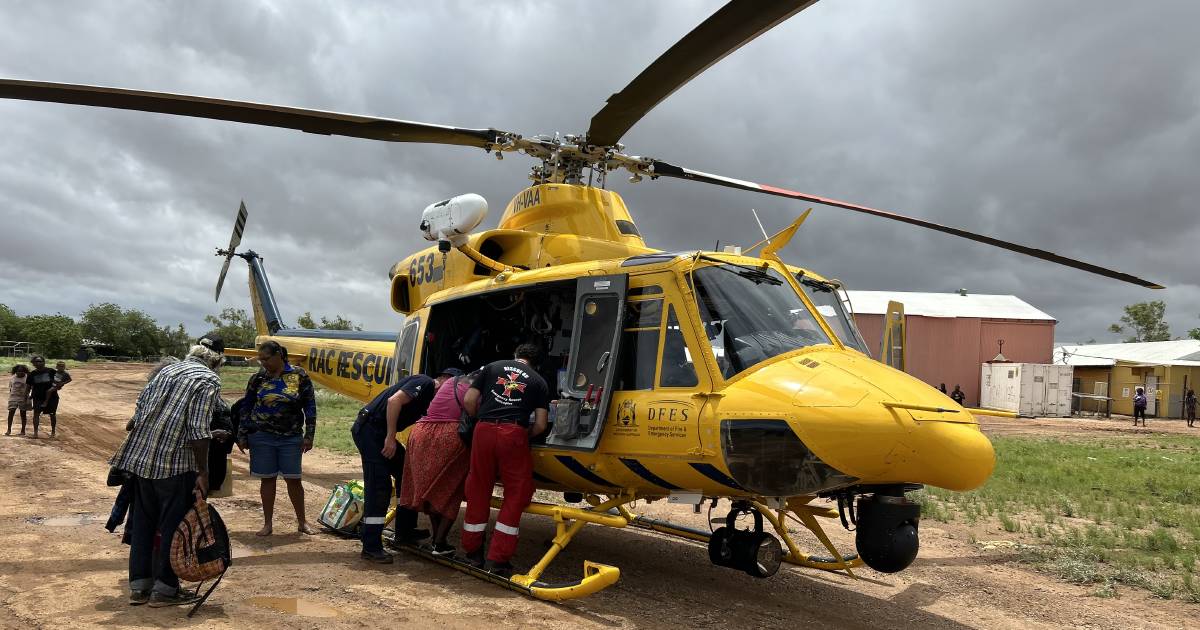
(294,606)
(74,520)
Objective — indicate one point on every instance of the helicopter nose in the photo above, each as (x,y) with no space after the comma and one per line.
(934,440)
(874,423)
(952,455)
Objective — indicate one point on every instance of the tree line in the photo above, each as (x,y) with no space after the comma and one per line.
(132,333)
(1146,321)
(108,329)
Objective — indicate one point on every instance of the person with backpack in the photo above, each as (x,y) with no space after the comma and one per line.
(1139,406)
(165,458)
(437,463)
(374,431)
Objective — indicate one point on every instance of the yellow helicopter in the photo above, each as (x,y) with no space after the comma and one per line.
(686,376)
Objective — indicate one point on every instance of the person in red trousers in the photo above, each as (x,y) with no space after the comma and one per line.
(511,400)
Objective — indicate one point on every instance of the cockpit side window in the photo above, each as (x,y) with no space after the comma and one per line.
(678,368)
(406,346)
(828,300)
(653,345)
(639,346)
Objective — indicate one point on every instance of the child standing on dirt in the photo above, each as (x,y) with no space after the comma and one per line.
(1189,407)
(18,396)
(1139,406)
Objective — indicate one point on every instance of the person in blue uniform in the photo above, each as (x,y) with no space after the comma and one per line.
(394,409)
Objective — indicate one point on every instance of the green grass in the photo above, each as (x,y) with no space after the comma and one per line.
(235,378)
(335,414)
(6,363)
(1097,512)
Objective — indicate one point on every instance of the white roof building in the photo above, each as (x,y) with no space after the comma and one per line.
(947,305)
(948,336)
(1184,352)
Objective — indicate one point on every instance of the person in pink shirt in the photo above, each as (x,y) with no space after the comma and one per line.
(437,463)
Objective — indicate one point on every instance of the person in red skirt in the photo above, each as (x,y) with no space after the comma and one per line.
(438,462)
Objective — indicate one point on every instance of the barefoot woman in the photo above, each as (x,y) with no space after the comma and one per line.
(280,428)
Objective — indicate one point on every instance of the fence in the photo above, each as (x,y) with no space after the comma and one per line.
(17,348)
(26,348)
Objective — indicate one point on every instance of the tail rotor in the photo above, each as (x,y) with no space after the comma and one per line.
(238,226)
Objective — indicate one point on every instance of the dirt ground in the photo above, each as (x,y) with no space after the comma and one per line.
(60,568)
(1101,427)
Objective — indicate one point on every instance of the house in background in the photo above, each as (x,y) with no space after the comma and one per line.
(1165,368)
(950,335)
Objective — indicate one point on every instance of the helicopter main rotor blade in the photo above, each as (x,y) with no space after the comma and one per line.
(664,169)
(730,28)
(306,120)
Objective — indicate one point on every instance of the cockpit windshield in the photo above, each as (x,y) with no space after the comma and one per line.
(751,314)
(828,300)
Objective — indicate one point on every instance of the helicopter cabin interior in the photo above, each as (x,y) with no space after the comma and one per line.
(597,335)
(620,333)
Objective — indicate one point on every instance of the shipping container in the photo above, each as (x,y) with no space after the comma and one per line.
(1027,389)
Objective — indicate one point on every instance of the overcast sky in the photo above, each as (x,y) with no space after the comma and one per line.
(1069,126)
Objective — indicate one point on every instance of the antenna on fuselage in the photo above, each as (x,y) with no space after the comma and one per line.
(760,226)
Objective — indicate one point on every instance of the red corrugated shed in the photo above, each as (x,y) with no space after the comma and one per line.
(951,350)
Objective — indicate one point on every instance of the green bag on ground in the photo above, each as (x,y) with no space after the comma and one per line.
(344,509)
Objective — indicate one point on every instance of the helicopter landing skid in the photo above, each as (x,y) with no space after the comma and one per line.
(568,521)
(596,577)
(797,509)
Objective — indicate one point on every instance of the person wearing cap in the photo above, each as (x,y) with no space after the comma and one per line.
(280,426)
(374,431)
(437,463)
(165,456)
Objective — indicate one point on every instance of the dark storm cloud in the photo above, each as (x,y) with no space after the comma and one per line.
(1070,126)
